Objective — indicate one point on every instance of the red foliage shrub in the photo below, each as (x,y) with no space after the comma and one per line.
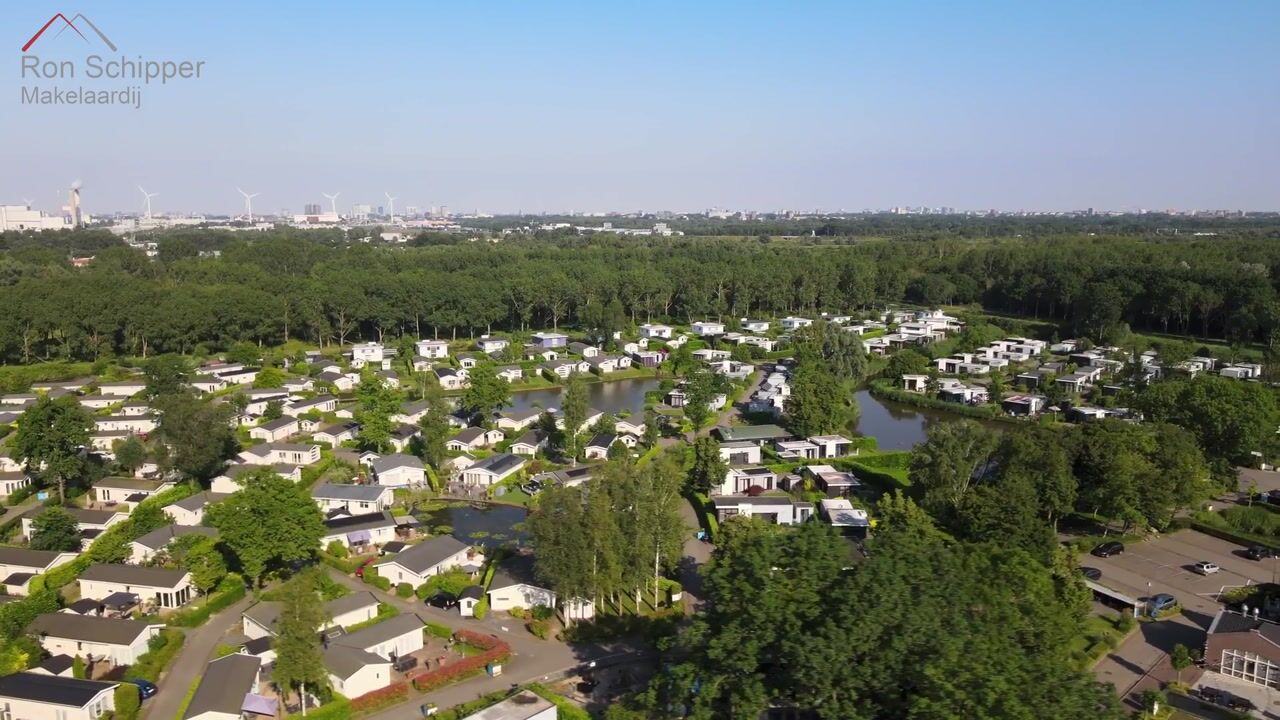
(495,651)
(392,694)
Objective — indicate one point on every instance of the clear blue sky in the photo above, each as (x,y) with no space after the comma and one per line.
(544,105)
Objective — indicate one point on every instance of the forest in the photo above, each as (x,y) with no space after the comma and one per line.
(207,290)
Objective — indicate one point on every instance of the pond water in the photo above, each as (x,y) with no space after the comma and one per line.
(897,426)
(609,397)
(480,523)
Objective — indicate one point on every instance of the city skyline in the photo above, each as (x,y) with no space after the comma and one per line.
(575,107)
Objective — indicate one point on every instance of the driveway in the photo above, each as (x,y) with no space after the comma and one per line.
(196,652)
(696,554)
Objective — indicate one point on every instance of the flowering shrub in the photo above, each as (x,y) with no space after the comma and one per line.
(392,694)
(495,651)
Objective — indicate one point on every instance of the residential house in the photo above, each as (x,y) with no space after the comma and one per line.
(489,345)
(708,355)
(281,453)
(123,389)
(412,412)
(228,481)
(1023,404)
(160,587)
(389,378)
(366,354)
(138,424)
(190,510)
(342,382)
(97,402)
(593,417)
(1243,647)
(738,481)
(228,691)
(648,358)
(628,426)
(568,477)
(597,447)
(431,557)
(318,404)
(958,392)
(510,373)
(775,509)
(451,379)
(529,443)
(468,361)
(534,352)
(277,430)
(97,639)
(915,383)
(566,368)
(262,619)
(605,364)
(842,515)
(796,449)
(1242,371)
(740,453)
(473,438)
(335,500)
(298,385)
(336,434)
(398,470)
(360,662)
(360,532)
(1073,382)
(675,398)
(240,376)
(432,349)
(36,696)
(91,523)
(402,436)
(757,434)
(583,349)
(550,339)
(791,324)
(516,420)
(755,326)
(833,482)
(656,332)
(151,544)
(11,481)
(707,328)
(19,565)
(493,469)
(515,586)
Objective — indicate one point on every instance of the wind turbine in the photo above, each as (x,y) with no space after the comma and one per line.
(148,196)
(391,205)
(26,202)
(248,203)
(333,201)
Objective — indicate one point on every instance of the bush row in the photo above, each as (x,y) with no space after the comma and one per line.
(393,694)
(160,652)
(228,592)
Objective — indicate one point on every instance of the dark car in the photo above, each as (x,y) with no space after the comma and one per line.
(1107,549)
(1259,552)
(443,600)
(1239,704)
(145,688)
(1091,573)
(1273,497)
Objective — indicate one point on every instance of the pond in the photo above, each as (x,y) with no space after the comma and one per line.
(898,426)
(610,397)
(490,525)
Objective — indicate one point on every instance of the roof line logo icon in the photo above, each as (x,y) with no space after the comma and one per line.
(70,24)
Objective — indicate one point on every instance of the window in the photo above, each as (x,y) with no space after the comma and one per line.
(1250,667)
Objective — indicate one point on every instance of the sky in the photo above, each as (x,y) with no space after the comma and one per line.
(549,106)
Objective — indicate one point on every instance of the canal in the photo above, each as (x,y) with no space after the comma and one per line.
(898,426)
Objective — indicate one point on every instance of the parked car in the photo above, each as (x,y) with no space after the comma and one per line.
(1107,549)
(1211,695)
(1259,552)
(1091,573)
(1240,704)
(1205,568)
(442,600)
(404,664)
(145,688)
(1273,497)
(1157,604)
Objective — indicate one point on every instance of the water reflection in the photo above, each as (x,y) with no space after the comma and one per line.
(610,397)
(897,426)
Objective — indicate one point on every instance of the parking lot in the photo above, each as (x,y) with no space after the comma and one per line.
(1164,565)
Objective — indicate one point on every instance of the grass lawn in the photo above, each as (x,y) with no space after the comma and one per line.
(1092,644)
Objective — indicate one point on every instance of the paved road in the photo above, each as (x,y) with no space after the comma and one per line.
(532,659)
(190,663)
(18,509)
(696,554)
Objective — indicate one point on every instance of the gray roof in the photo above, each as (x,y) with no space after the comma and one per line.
(469,435)
(368,521)
(345,661)
(125,483)
(532,437)
(381,632)
(499,463)
(52,689)
(351,601)
(516,570)
(88,628)
(427,554)
(393,461)
(133,575)
(519,707)
(82,516)
(339,428)
(279,423)
(28,558)
(752,432)
(226,681)
(267,613)
(161,537)
(199,500)
(335,491)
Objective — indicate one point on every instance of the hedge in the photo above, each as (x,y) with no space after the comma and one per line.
(230,591)
(386,611)
(127,702)
(885,389)
(159,654)
(344,565)
(404,590)
(443,632)
(565,709)
(337,709)
(495,651)
(393,694)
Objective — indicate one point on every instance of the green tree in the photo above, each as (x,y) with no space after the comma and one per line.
(198,434)
(166,374)
(131,454)
(206,564)
(708,469)
(814,406)
(841,352)
(375,404)
(1181,658)
(269,523)
(906,362)
(435,434)
(487,393)
(950,463)
(299,655)
(269,377)
(50,437)
(701,387)
(55,529)
(574,411)
(274,410)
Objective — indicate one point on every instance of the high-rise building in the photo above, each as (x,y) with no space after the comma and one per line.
(311,209)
